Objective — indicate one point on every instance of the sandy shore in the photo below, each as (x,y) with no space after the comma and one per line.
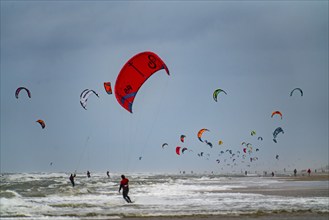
(314,177)
(300,192)
(281,216)
(294,191)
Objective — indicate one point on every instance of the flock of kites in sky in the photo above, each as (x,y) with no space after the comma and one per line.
(247,152)
(134,74)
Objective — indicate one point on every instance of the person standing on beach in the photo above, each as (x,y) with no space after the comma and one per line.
(309,172)
(125,188)
(295,172)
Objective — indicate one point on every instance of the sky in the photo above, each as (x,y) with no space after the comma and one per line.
(257,51)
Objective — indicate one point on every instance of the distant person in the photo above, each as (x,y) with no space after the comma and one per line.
(295,172)
(272,174)
(108,174)
(88,174)
(72,179)
(309,172)
(125,188)
(245,173)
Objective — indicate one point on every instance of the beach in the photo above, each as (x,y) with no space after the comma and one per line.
(293,190)
(281,216)
(313,177)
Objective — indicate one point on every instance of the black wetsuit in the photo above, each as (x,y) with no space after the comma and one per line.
(72,180)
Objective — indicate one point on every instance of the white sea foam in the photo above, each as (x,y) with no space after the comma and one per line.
(51,196)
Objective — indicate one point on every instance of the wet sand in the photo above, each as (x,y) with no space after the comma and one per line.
(294,191)
(300,192)
(281,216)
(314,177)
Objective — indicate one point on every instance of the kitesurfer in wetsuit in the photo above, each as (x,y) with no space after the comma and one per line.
(125,188)
(72,179)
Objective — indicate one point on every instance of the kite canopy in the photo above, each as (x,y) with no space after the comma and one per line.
(108,88)
(208,143)
(276,113)
(42,123)
(216,92)
(134,74)
(182,138)
(84,97)
(18,90)
(178,150)
(276,132)
(164,144)
(299,89)
(201,132)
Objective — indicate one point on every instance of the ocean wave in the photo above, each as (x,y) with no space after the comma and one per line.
(8,194)
(49,196)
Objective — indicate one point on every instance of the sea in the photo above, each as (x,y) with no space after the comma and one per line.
(51,196)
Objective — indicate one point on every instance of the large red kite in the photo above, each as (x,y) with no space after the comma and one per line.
(134,74)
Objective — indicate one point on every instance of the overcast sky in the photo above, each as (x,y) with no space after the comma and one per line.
(256,51)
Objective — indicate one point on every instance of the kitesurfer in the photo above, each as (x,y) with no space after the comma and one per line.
(125,188)
(309,172)
(88,174)
(295,172)
(108,174)
(72,179)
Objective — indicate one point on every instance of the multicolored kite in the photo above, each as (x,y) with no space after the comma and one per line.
(201,132)
(108,88)
(18,90)
(216,92)
(42,123)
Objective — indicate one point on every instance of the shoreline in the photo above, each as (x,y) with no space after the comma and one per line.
(257,216)
(300,192)
(314,177)
(292,191)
